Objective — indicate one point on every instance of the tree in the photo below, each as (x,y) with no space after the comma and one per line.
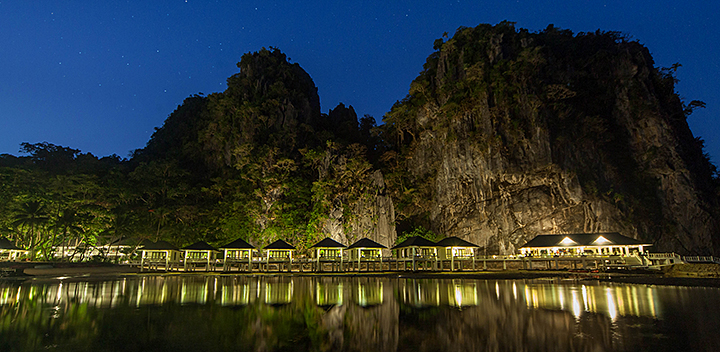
(65,228)
(420,232)
(31,217)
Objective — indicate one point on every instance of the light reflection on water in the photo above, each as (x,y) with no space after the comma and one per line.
(610,300)
(361,313)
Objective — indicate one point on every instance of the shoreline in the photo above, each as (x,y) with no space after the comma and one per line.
(84,271)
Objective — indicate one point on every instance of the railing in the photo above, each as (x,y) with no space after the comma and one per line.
(701,259)
(664,256)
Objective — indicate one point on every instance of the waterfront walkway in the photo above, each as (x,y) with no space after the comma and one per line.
(419,264)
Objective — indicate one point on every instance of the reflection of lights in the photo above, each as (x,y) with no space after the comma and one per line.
(59,292)
(529,298)
(612,310)
(651,301)
(5,296)
(613,301)
(458,295)
(576,305)
(497,290)
(55,312)
(620,300)
(634,300)
(514,290)
(140,292)
(362,298)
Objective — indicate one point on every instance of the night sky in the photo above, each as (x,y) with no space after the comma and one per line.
(99,76)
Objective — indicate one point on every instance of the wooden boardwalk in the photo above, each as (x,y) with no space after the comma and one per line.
(392,264)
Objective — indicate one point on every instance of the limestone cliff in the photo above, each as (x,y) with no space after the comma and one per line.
(508,134)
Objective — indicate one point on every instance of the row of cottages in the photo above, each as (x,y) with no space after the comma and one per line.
(238,253)
(412,254)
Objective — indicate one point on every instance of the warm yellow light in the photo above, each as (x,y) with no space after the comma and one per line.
(567,241)
(601,240)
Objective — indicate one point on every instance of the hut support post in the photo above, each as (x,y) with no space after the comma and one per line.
(380,256)
(317,260)
(452,259)
(414,264)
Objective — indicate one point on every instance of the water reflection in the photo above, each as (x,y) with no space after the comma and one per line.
(355,313)
(433,292)
(610,300)
(369,293)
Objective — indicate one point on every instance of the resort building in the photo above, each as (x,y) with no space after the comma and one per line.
(455,248)
(159,253)
(9,251)
(578,244)
(416,246)
(199,253)
(237,252)
(416,250)
(365,250)
(327,250)
(279,252)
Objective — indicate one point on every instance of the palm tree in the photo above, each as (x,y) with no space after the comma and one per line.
(30,216)
(66,225)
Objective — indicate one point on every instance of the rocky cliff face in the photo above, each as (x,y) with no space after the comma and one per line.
(351,191)
(509,134)
(371,216)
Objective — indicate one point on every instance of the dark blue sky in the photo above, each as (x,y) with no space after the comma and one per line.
(100,75)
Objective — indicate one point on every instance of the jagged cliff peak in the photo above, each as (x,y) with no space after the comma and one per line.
(507,134)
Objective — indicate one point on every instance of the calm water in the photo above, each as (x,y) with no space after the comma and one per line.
(229,313)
